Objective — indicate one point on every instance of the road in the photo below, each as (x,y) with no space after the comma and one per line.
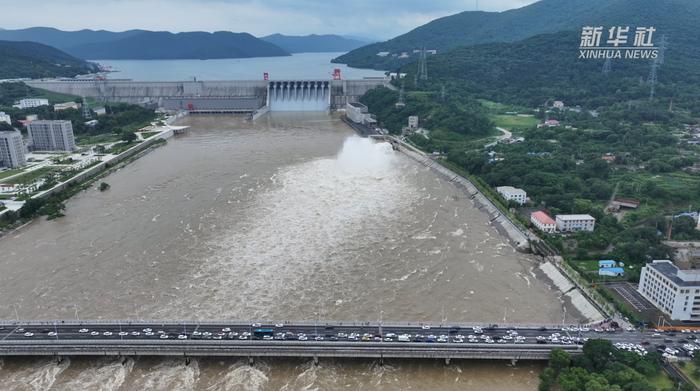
(310,340)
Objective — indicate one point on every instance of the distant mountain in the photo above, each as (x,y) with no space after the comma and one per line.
(545,16)
(148,45)
(35,60)
(195,45)
(64,40)
(314,43)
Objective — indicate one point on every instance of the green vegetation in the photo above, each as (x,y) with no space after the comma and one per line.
(602,367)
(32,176)
(34,60)
(512,122)
(10,172)
(147,135)
(104,186)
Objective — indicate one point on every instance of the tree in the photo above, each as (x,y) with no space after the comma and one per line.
(104,186)
(559,360)
(129,137)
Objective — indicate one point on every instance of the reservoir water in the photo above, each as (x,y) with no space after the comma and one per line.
(289,218)
(297,66)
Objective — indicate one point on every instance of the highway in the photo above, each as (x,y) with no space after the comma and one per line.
(371,340)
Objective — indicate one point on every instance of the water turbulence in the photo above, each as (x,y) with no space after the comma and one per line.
(295,227)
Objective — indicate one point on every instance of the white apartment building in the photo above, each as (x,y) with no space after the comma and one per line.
(29,103)
(543,222)
(512,194)
(574,223)
(51,135)
(12,149)
(675,292)
(5,118)
(66,106)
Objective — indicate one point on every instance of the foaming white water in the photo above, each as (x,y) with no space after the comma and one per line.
(101,375)
(293,226)
(39,375)
(243,377)
(314,378)
(170,375)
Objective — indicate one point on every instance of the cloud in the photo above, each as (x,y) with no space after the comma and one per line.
(378,18)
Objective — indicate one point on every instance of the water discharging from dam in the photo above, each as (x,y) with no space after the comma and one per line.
(290,218)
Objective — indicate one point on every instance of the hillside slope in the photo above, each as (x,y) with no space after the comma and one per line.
(35,60)
(64,40)
(677,18)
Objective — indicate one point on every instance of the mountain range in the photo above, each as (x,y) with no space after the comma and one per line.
(314,43)
(35,60)
(148,45)
(671,17)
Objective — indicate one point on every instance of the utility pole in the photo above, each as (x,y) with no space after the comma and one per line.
(607,66)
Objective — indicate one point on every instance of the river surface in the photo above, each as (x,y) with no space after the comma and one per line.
(296,66)
(291,218)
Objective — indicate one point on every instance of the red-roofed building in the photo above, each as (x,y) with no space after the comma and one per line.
(551,123)
(544,222)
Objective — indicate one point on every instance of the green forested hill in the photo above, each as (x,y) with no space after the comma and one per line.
(34,60)
(676,18)
(547,67)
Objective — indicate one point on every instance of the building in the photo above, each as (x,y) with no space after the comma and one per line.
(628,203)
(5,118)
(29,103)
(575,223)
(99,111)
(675,292)
(610,268)
(510,193)
(12,149)
(66,106)
(413,122)
(558,104)
(358,113)
(551,123)
(544,222)
(51,136)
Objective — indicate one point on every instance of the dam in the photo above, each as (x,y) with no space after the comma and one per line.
(224,96)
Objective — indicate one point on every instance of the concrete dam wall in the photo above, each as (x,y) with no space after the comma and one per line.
(219,96)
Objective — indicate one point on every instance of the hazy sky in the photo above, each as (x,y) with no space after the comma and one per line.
(372,18)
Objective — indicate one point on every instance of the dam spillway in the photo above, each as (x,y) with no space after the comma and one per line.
(219,96)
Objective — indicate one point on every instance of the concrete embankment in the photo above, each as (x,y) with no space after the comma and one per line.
(572,293)
(517,237)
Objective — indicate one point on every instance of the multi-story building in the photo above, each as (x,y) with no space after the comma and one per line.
(544,222)
(29,103)
(5,118)
(574,223)
(510,193)
(675,292)
(12,149)
(51,136)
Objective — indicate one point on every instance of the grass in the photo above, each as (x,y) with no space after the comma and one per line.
(688,370)
(98,139)
(512,121)
(55,97)
(32,176)
(121,147)
(11,172)
(148,134)
(661,381)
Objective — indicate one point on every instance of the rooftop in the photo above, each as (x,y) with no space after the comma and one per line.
(511,189)
(575,217)
(543,217)
(679,277)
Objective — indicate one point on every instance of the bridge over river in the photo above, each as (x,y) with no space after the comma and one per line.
(317,339)
(224,96)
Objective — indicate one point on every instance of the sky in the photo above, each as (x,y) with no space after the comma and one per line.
(378,19)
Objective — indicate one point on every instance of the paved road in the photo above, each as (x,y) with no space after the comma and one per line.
(336,339)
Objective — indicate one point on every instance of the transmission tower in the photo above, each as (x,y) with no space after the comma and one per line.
(401,104)
(86,109)
(423,64)
(607,66)
(663,45)
(653,78)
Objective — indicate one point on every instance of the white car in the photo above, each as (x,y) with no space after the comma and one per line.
(226,329)
(52,334)
(28,334)
(107,333)
(164,336)
(425,327)
(182,336)
(94,333)
(83,330)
